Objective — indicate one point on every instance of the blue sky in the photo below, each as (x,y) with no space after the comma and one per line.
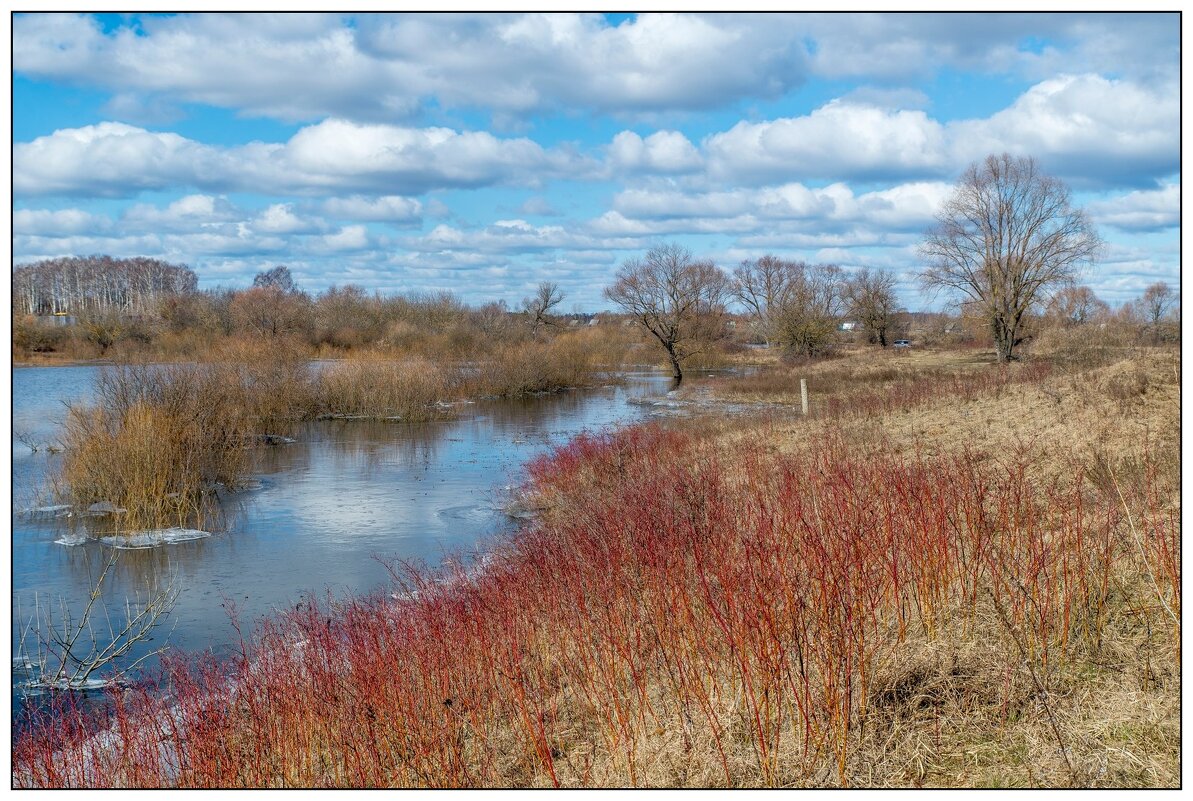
(481,154)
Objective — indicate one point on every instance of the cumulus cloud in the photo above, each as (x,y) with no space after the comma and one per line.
(910,44)
(280,218)
(387,208)
(350,237)
(114,159)
(661,152)
(1086,128)
(386,67)
(57,223)
(904,207)
(516,236)
(185,214)
(837,140)
(1141,210)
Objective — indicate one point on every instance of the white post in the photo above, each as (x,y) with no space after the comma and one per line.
(803,395)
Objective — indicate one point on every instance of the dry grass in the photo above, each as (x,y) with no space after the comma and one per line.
(159,439)
(961,587)
(410,390)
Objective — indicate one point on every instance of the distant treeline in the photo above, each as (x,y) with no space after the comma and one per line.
(84,285)
(143,308)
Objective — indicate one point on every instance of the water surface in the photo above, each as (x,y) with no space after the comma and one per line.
(331,507)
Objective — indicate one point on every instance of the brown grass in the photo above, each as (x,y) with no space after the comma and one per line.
(977,585)
(410,390)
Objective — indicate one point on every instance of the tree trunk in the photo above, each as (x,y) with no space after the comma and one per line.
(675,364)
(1004,340)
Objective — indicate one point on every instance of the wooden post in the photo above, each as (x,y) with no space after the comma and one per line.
(803,395)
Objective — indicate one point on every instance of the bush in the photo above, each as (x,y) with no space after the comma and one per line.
(410,389)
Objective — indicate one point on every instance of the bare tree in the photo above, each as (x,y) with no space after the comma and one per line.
(538,308)
(679,301)
(278,277)
(870,297)
(67,652)
(493,319)
(270,311)
(98,285)
(1077,305)
(761,286)
(1154,306)
(1006,236)
(806,322)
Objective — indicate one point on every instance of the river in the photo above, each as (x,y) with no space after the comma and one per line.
(330,509)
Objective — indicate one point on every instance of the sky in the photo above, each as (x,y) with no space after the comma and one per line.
(482,154)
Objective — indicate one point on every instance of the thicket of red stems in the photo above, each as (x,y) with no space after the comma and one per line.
(747,607)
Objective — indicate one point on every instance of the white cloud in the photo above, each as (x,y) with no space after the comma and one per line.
(351,237)
(915,44)
(385,67)
(60,223)
(904,207)
(1142,210)
(114,159)
(185,214)
(280,218)
(111,159)
(661,152)
(387,208)
(837,141)
(1088,129)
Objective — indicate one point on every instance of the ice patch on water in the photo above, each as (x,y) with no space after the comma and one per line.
(470,512)
(152,538)
(57,510)
(72,538)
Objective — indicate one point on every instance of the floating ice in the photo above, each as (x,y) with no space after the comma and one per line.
(72,538)
(38,686)
(57,510)
(151,538)
(106,508)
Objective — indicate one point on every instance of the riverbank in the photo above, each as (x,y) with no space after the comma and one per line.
(960,582)
(158,439)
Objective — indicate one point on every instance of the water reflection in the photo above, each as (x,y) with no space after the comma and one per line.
(328,507)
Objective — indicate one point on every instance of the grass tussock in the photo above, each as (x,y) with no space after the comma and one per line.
(411,389)
(159,439)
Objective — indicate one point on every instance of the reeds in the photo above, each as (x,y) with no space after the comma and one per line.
(411,389)
(158,440)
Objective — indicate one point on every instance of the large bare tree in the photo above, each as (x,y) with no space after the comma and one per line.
(870,298)
(806,321)
(761,285)
(678,300)
(1007,236)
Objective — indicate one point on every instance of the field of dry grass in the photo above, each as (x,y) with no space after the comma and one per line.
(952,575)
